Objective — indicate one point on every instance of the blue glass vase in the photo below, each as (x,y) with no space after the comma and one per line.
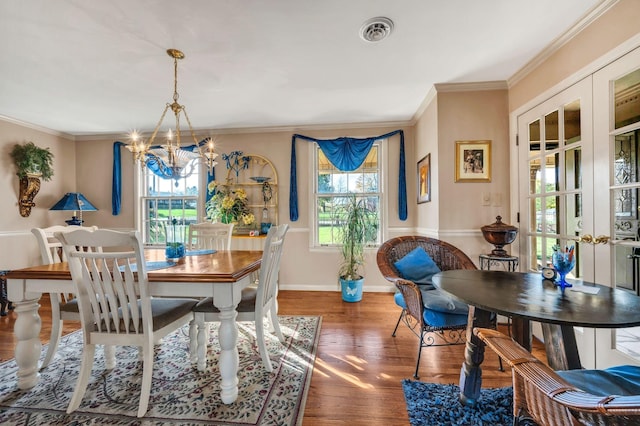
(563,263)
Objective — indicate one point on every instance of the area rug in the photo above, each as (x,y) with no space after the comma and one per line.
(432,404)
(179,394)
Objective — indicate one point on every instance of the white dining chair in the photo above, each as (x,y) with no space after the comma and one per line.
(256,302)
(209,235)
(114,301)
(64,306)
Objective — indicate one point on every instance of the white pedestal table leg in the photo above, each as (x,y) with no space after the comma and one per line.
(28,347)
(226,299)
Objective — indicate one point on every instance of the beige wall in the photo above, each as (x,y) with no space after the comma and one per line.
(17,246)
(618,25)
(456,212)
(480,115)
(426,130)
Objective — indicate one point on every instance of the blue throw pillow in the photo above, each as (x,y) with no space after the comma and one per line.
(417,266)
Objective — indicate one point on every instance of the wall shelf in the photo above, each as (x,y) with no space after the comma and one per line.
(258,177)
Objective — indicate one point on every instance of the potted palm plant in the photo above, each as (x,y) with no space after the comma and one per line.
(32,164)
(358,227)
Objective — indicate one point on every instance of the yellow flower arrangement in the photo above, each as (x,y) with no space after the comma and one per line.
(228,204)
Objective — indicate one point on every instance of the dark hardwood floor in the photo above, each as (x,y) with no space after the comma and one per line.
(359,366)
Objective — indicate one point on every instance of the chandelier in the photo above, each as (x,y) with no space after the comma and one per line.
(170,159)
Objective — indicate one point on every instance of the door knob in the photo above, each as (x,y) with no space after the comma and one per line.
(590,239)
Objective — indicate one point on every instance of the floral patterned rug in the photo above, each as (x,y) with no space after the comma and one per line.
(180,395)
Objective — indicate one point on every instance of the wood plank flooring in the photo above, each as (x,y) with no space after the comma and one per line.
(359,366)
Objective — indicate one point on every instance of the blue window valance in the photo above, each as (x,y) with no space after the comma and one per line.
(116,189)
(347,154)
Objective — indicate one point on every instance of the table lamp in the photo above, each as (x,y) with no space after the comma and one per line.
(74,201)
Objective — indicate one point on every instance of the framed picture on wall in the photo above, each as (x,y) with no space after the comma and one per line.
(473,161)
(424,179)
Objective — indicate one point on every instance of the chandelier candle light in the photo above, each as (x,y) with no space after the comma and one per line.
(172,160)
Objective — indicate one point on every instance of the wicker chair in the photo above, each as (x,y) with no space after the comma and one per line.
(541,395)
(446,257)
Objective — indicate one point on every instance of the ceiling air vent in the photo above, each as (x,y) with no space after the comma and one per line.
(376,29)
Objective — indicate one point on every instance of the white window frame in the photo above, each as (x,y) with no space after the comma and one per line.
(314,194)
(140,194)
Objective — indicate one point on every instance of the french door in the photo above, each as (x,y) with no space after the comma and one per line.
(616,92)
(579,184)
(556,174)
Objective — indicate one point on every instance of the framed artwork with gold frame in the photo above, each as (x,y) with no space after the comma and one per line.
(473,161)
(424,179)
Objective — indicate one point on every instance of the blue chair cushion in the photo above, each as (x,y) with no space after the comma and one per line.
(621,380)
(440,319)
(439,310)
(417,266)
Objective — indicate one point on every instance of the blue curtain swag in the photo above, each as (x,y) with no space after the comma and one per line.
(347,154)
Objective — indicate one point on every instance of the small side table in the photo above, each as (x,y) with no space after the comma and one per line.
(508,263)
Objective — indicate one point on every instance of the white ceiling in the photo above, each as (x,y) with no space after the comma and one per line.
(96,67)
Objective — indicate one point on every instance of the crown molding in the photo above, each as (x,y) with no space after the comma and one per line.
(455,87)
(431,95)
(592,15)
(204,133)
(37,128)
(471,87)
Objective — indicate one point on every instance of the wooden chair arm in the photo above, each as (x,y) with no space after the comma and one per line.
(412,298)
(551,400)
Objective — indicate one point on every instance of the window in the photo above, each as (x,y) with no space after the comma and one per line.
(165,199)
(333,188)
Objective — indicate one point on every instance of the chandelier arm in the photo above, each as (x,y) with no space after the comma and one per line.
(155,131)
(193,136)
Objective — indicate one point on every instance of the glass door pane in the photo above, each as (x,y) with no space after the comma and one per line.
(555,183)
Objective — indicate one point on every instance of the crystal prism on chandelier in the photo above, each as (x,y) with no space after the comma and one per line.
(170,159)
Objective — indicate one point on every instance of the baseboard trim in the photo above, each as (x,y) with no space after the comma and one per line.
(332,287)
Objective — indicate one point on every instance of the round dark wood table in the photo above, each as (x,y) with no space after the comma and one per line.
(526,297)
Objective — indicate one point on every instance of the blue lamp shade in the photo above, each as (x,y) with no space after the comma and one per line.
(74,201)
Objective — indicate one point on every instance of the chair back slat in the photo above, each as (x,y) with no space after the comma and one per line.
(51,250)
(109,291)
(270,266)
(208,235)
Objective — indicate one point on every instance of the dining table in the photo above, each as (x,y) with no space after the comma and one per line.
(210,273)
(526,297)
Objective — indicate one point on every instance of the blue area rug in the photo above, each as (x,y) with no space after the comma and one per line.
(432,404)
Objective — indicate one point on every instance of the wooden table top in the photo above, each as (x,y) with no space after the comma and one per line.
(529,296)
(222,266)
